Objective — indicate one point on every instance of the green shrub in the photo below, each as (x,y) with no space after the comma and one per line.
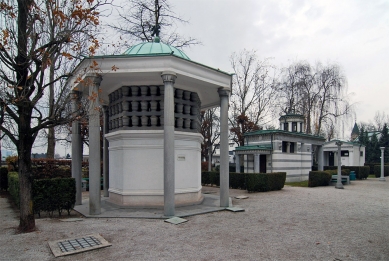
(210,178)
(319,178)
(12,163)
(361,172)
(232,168)
(237,180)
(276,180)
(54,195)
(377,170)
(4,178)
(371,167)
(252,181)
(215,178)
(13,186)
(205,178)
(344,172)
(49,195)
(262,182)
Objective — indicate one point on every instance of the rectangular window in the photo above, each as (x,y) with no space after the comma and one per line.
(344,153)
(286,126)
(294,126)
(292,147)
(361,153)
(284,144)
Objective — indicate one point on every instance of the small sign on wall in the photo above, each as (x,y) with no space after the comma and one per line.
(181,157)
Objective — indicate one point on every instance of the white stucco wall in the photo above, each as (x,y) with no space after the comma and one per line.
(137,172)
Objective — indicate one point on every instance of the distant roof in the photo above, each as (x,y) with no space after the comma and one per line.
(355,143)
(255,147)
(154,48)
(300,134)
(292,115)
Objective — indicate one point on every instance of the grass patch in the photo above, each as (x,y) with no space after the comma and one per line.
(298,184)
(371,176)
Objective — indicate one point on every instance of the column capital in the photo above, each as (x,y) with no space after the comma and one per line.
(339,143)
(224,92)
(169,76)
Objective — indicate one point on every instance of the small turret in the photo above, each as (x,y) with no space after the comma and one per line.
(292,122)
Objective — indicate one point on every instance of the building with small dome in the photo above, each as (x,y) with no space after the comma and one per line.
(151,96)
(287,149)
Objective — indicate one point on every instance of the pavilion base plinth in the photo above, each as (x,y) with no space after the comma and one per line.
(152,199)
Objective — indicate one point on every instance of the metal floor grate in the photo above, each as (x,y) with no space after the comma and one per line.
(72,246)
(78,243)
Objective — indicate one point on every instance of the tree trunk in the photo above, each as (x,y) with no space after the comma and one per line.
(26,137)
(51,144)
(51,135)
(27,219)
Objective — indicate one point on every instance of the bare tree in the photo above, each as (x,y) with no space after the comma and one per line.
(253,94)
(380,119)
(26,53)
(210,125)
(320,94)
(332,100)
(144,19)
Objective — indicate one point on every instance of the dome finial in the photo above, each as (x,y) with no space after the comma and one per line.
(155,32)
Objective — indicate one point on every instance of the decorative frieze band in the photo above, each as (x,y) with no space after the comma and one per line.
(141,107)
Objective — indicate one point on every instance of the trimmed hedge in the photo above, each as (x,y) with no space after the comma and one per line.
(13,186)
(263,182)
(49,195)
(4,178)
(344,172)
(253,182)
(319,178)
(361,172)
(56,194)
(237,180)
(371,166)
(377,170)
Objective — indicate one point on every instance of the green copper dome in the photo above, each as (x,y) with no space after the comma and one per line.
(155,48)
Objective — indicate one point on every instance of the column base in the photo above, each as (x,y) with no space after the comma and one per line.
(339,186)
(382,179)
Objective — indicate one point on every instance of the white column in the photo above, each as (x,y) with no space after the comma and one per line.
(237,163)
(76,147)
(224,158)
(169,152)
(105,153)
(339,184)
(256,163)
(94,148)
(320,158)
(382,178)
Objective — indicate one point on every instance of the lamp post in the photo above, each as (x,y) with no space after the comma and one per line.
(339,184)
(382,178)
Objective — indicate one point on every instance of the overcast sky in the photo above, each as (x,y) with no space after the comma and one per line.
(351,33)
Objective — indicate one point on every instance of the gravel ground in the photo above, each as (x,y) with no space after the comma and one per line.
(294,223)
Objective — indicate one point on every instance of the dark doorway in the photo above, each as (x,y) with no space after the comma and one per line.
(331,159)
(262,163)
